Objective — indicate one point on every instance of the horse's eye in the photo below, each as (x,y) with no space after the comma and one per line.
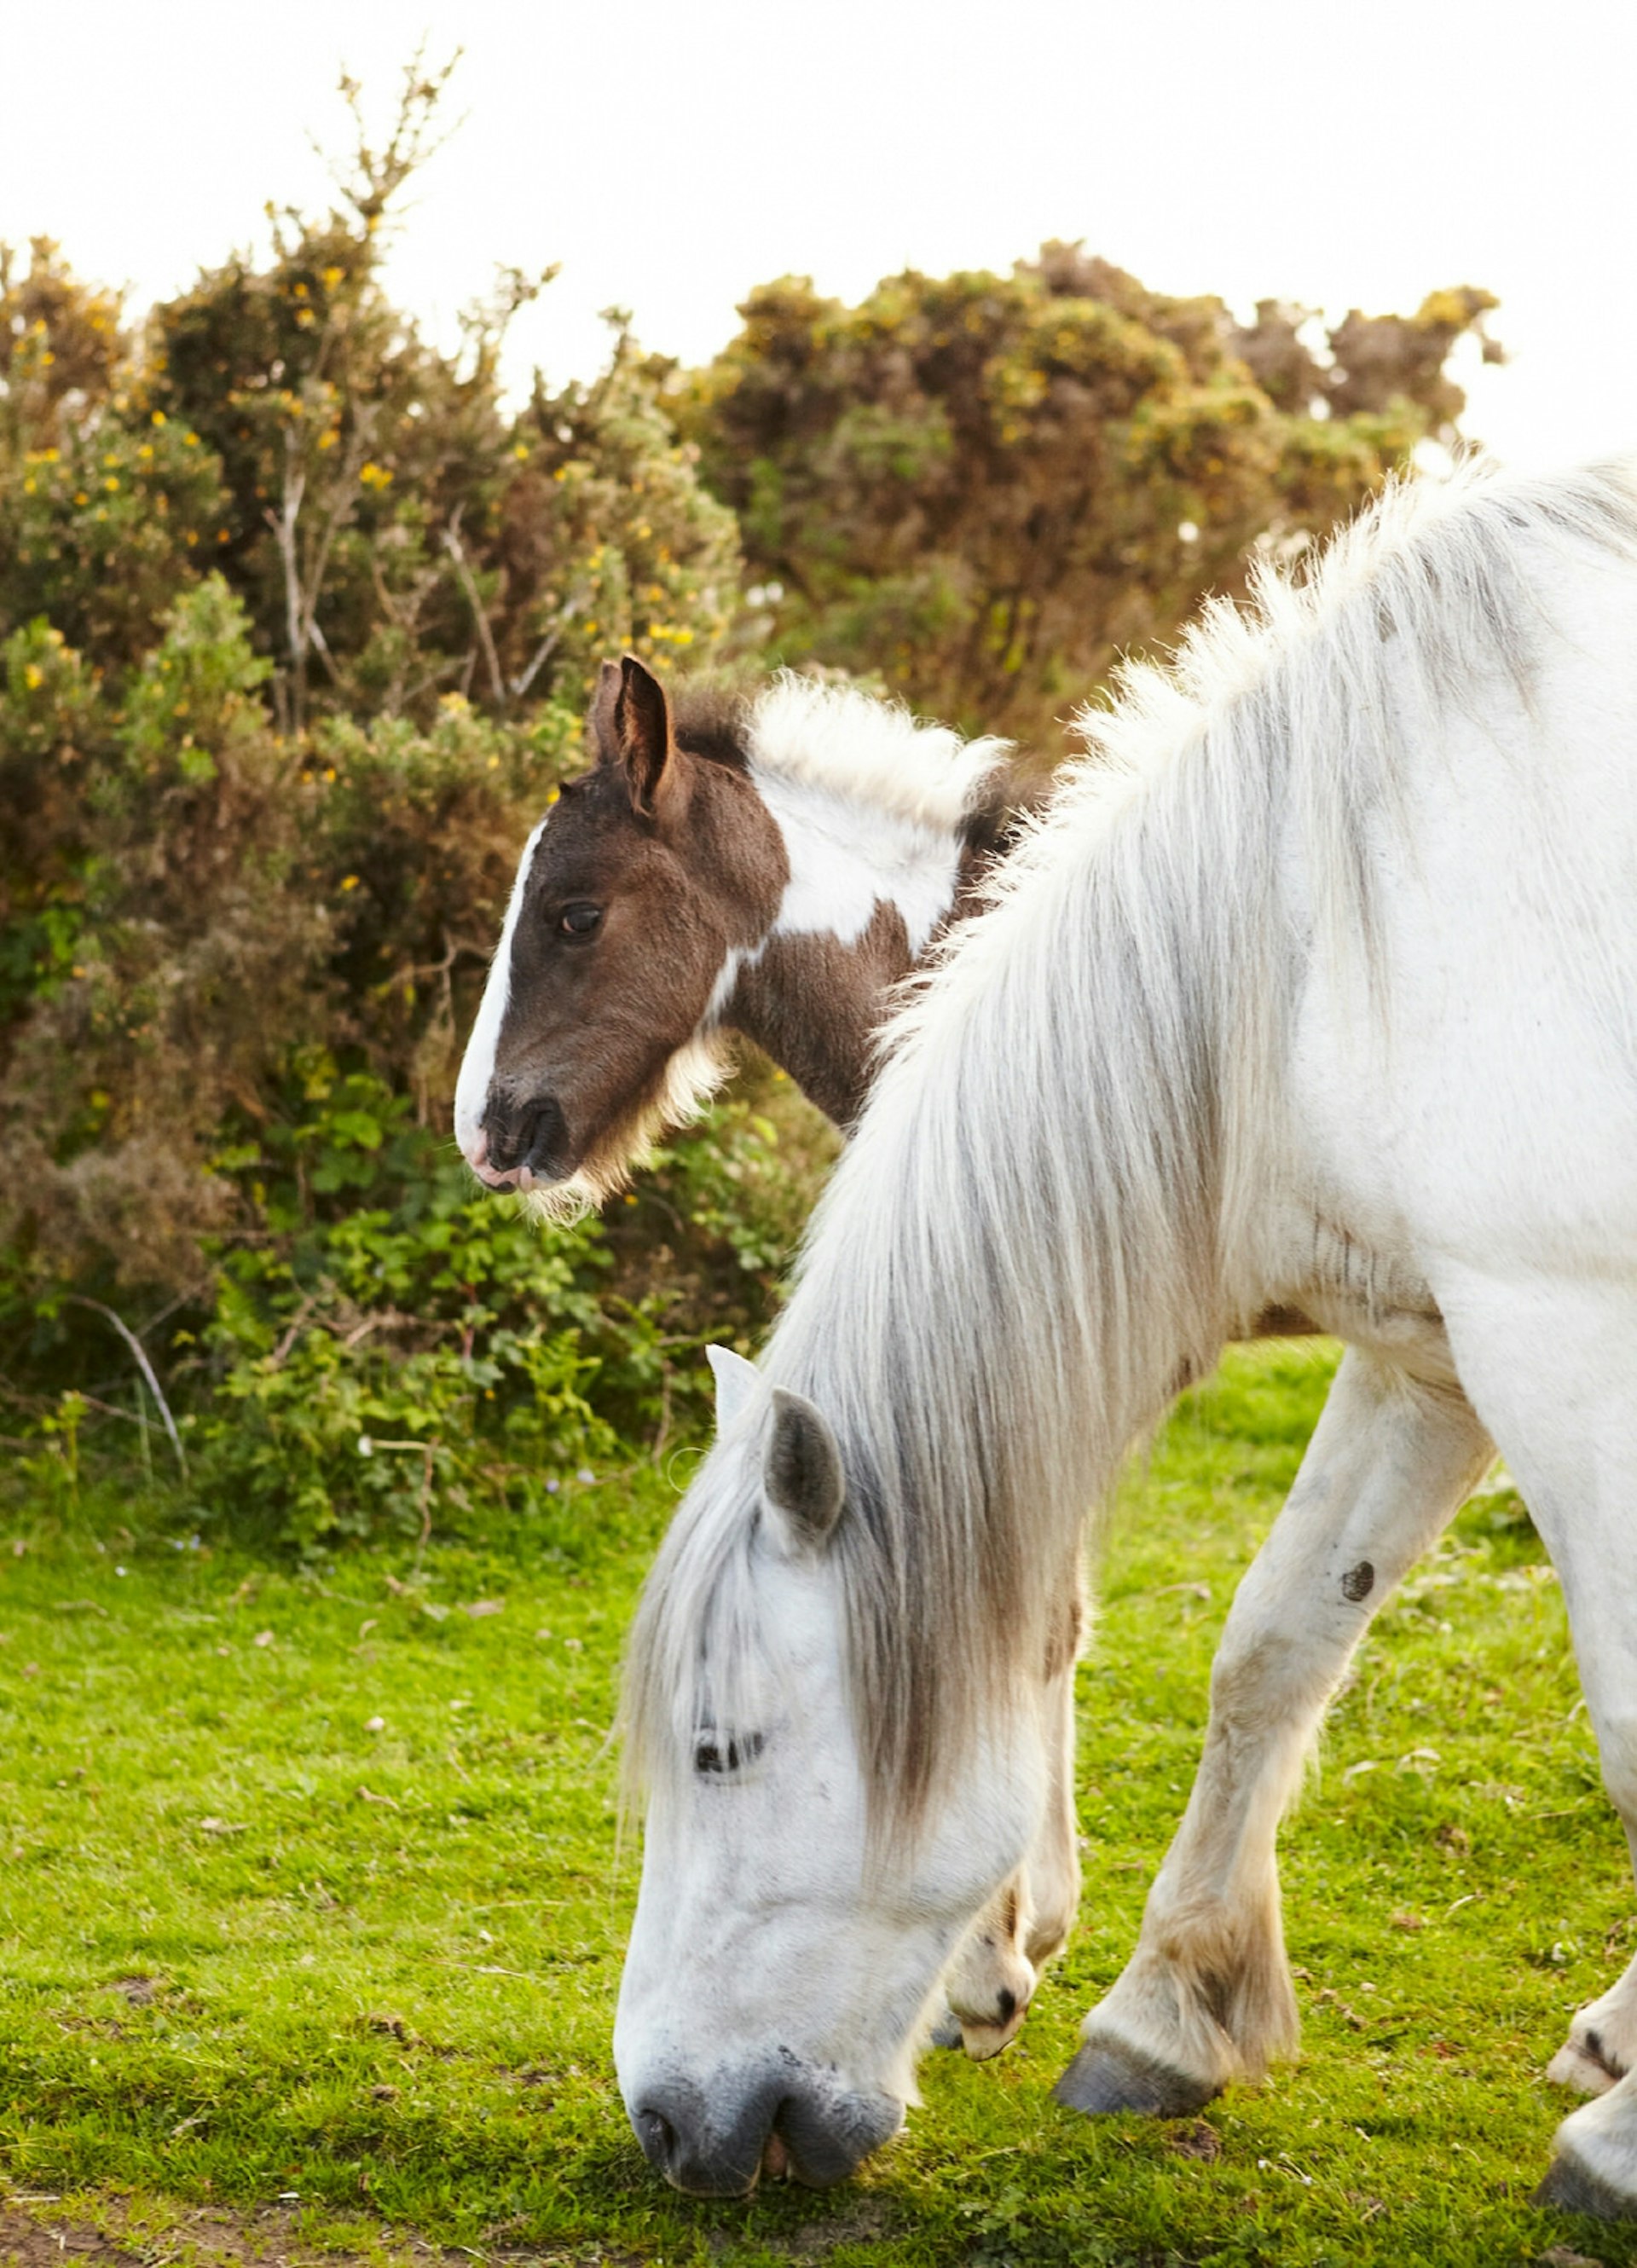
(580,920)
(714,1753)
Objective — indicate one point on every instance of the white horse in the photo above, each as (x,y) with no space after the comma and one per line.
(1317,986)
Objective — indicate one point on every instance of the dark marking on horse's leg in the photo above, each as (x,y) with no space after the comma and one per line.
(1605,2062)
(1107,2075)
(1571,2186)
(1358,1582)
(947,2031)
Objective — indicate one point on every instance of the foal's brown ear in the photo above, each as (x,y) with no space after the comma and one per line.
(603,703)
(801,1470)
(639,731)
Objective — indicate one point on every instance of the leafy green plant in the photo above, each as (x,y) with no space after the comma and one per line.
(379,1364)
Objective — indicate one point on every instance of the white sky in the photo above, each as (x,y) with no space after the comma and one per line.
(670,156)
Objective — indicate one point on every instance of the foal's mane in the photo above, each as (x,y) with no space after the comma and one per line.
(1040,1225)
(852,745)
(873,751)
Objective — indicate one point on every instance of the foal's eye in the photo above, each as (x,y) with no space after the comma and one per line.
(717,1752)
(580,920)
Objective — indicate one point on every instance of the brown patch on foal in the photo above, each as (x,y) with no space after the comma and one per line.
(814,1004)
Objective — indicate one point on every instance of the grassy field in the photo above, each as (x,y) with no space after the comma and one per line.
(312,1909)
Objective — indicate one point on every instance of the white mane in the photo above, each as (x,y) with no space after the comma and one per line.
(850,744)
(1041,1224)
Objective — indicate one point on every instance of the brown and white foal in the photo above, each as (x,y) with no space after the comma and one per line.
(771,866)
(768,866)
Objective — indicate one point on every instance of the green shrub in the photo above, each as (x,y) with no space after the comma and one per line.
(298,619)
(984,487)
(381,1361)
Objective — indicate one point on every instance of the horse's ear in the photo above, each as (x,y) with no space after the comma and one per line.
(642,733)
(604,702)
(736,1381)
(801,1470)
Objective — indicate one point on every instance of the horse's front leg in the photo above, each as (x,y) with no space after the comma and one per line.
(1026,1923)
(1207,1997)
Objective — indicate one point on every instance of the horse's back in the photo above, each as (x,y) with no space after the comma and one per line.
(1474,1082)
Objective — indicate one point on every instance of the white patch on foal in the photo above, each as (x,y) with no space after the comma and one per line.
(847,856)
(872,806)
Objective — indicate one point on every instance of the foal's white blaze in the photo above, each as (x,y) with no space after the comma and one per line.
(778,1983)
(478,1064)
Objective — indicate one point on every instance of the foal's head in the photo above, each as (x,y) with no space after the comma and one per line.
(635,891)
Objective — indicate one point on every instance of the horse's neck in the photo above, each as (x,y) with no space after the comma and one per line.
(813,1003)
(866,892)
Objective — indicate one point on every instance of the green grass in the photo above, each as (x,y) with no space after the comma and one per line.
(253,1950)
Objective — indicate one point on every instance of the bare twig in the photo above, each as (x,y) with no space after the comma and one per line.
(547,647)
(282,523)
(456,550)
(378,175)
(304,576)
(427,1451)
(321,647)
(292,1330)
(139,1352)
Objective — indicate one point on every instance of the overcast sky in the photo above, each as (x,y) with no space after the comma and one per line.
(670,156)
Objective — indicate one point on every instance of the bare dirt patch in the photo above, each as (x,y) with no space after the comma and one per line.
(34,2234)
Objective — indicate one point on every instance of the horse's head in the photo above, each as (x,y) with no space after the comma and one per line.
(787,1944)
(634,895)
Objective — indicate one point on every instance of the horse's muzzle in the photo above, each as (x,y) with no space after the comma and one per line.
(527,1142)
(789,2119)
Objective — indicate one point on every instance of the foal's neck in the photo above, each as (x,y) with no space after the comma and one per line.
(867,891)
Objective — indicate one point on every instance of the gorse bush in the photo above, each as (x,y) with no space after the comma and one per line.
(298,622)
(982,487)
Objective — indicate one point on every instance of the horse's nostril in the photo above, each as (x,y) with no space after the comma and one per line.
(532,1134)
(1007,2000)
(656,2135)
(543,1136)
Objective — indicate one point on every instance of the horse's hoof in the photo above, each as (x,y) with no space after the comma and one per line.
(946,2031)
(1571,2186)
(1107,2075)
